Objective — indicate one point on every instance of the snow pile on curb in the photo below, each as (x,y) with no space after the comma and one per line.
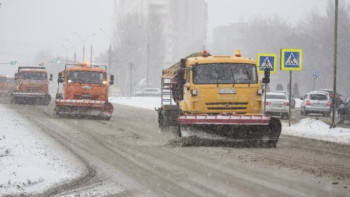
(141,102)
(30,161)
(316,129)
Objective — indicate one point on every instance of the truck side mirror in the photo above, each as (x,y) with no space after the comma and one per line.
(111,81)
(60,78)
(16,76)
(187,85)
(51,76)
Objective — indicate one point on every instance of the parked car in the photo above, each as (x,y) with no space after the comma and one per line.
(292,101)
(277,103)
(149,92)
(316,102)
(337,99)
(344,111)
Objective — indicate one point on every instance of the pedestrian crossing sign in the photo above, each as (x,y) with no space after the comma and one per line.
(291,59)
(267,61)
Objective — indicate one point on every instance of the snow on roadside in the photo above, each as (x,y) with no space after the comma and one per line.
(298,102)
(307,128)
(30,161)
(317,129)
(142,102)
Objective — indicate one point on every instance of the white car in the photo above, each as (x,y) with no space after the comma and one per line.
(277,103)
(316,102)
(149,92)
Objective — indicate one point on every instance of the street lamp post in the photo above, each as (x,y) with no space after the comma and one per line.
(65,50)
(109,50)
(75,50)
(333,125)
(83,40)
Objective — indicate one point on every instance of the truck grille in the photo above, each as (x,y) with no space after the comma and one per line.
(34,89)
(241,106)
(86,96)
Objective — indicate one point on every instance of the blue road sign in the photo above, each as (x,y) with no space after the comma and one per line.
(315,75)
(291,59)
(267,61)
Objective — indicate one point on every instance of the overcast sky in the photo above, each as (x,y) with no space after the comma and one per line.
(28,26)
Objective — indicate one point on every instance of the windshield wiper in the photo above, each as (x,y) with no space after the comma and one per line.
(233,77)
(249,77)
(217,77)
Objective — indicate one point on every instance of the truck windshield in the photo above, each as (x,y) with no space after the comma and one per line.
(225,73)
(33,75)
(86,77)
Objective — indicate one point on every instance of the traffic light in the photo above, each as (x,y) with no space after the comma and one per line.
(14,63)
(266,78)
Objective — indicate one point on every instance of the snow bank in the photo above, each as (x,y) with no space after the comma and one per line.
(30,161)
(298,102)
(142,102)
(316,129)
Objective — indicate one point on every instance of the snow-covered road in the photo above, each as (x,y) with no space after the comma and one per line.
(32,162)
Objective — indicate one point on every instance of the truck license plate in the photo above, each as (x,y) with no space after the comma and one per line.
(227,91)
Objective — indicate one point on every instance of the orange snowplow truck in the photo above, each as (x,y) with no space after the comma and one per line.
(32,86)
(84,91)
(3,84)
(7,85)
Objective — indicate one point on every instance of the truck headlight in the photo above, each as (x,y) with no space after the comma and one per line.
(194,92)
(260,91)
(69,81)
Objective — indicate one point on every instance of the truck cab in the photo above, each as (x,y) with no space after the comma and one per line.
(84,91)
(221,84)
(84,83)
(32,86)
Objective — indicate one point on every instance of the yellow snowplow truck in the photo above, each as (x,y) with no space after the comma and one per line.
(217,94)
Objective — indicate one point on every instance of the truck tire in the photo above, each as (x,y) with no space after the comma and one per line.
(178,131)
(167,116)
(59,96)
(47,99)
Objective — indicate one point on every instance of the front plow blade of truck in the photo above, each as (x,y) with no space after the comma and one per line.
(84,107)
(252,128)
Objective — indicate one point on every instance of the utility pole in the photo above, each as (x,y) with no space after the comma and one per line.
(110,58)
(75,50)
(333,125)
(83,40)
(130,78)
(109,51)
(290,98)
(91,55)
(84,52)
(147,66)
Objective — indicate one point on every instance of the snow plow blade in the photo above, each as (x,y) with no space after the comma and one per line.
(84,107)
(223,120)
(31,98)
(257,129)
